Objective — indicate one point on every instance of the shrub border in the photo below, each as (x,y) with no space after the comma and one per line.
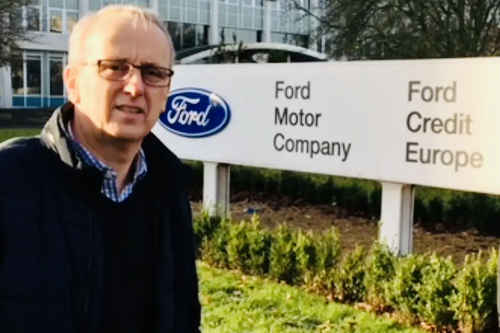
(418,289)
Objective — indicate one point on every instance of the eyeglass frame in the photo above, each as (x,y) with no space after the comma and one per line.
(131,66)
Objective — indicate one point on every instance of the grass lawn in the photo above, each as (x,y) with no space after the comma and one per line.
(9,133)
(235,303)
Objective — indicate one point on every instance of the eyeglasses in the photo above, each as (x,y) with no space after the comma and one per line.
(119,70)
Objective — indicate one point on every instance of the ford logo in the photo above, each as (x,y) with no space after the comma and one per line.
(195,113)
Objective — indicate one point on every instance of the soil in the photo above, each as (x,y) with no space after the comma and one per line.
(352,230)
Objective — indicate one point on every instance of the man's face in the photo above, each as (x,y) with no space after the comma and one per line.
(124,109)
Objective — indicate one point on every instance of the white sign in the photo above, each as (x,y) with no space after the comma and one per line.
(426,122)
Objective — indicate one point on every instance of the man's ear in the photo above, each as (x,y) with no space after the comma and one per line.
(70,77)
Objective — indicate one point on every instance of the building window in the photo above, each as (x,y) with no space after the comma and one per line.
(259,36)
(289,38)
(187,35)
(175,30)
(17,73)
(37,80)
(33,18)
(56,94)
(56,21)
(62,15)
(202,33)
(33,75)
(27,80)
(95,5)
(287,19)
(143,3)
(302,40)
(229,35)
(56,65)
(16,18)
(71,19)
(72,4)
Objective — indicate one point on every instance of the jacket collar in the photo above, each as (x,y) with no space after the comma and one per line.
(166,168)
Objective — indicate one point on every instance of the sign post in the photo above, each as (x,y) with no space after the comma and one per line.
(216,191)
(396,221)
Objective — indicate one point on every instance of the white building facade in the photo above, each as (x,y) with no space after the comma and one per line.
(35,80)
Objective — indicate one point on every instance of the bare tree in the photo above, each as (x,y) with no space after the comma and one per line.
(406,29)
(222,54)
(13,28)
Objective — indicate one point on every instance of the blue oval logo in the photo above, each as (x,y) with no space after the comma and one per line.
(195,113)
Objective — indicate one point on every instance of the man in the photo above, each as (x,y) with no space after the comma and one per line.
(95,227)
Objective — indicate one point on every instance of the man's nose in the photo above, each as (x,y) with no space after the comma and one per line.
(134,84)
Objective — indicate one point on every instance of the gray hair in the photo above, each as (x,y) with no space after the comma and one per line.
(139,15)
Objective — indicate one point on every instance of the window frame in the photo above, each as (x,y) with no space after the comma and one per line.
(25,9)
(26,55)
(64,19)
(63,58)
(45,96)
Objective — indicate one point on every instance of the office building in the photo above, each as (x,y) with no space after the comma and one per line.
(35,80)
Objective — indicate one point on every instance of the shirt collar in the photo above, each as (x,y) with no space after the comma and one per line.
(90,160)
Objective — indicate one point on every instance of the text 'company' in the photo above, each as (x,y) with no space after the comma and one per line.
(299,118)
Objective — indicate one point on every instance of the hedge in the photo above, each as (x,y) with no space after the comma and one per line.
(454,210)
(417,289)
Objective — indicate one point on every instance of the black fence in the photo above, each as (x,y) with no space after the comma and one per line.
(24,118)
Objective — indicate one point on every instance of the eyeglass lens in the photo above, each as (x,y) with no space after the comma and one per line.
(119,70)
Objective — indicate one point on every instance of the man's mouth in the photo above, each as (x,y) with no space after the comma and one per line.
(130,109)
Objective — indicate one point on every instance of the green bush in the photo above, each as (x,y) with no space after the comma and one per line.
(260,248)
(205,227)
(307,250)
(435,291)
(284,261)
(248,248)
(238,247)
(453,209)
(213,246)
(402,292)
(349,279)
(415,287)
(379,272)
(328,255)
(474,303)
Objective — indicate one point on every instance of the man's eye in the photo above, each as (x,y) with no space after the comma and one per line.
(114,67)
(154,72)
